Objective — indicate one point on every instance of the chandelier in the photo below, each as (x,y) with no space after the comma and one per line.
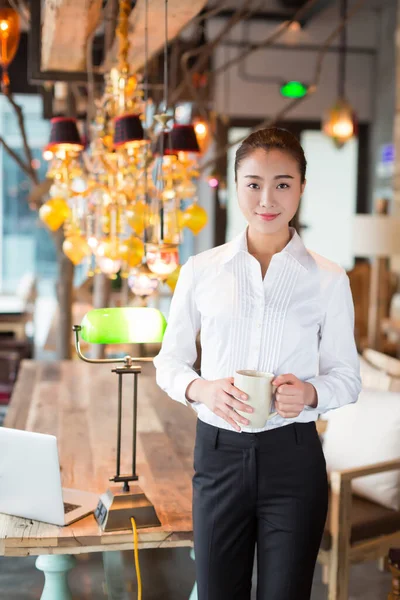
(125,199)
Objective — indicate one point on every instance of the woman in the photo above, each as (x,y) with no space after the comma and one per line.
(262,302)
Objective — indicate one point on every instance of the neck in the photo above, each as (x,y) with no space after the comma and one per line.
(265,245)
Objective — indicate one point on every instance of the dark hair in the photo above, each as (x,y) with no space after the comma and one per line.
(272,138)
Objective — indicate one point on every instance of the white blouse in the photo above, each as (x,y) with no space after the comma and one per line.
(299,319)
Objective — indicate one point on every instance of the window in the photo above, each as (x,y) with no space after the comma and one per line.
(26,245)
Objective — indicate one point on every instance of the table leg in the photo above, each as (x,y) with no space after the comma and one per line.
(193,595)
(55,568)
(113,564)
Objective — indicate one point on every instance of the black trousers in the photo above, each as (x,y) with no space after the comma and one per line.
(267,490)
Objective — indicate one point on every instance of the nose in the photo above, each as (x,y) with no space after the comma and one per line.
(266,198)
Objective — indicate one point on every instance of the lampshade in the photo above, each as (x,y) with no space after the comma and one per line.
(128,129)
(163,144)
(162,259)
(183,138)
(340,123)
(376,235)
(203,133)
(64,134)
(9,40)
(142,281)
(126,325)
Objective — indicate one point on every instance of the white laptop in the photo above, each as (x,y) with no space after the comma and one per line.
(30,482)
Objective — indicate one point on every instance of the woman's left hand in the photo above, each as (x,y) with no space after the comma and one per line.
(292,395)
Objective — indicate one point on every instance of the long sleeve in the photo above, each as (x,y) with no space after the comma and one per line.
(174,363)
(338,382)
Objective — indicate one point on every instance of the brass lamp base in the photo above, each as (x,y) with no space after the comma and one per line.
(115,509)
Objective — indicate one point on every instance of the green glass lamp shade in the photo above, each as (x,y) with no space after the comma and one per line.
(125,325)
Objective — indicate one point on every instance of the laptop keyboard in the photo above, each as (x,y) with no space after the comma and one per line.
(70,507)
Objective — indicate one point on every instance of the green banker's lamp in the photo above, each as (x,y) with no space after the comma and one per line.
(130,325)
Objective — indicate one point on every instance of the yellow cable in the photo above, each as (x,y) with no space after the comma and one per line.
(136,553)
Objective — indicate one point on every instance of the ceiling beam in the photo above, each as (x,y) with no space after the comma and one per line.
(256,15)
(180,13)
(66,27)
(313,11)
(301,47)
(280,17)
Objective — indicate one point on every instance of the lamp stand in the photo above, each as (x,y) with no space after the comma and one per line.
(117,506)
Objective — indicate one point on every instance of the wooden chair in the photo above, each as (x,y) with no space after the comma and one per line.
(11,353)
(357,530)
(394,565)
(9,362)
(360,278)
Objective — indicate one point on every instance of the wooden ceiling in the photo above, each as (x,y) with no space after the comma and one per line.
(67,25)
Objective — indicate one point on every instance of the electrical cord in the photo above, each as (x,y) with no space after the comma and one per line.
(136,555)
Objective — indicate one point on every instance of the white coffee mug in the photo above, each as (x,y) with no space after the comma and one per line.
(259,389)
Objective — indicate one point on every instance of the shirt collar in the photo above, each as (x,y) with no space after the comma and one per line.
(294,248)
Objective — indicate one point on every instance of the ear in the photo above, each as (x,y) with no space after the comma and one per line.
(303,186)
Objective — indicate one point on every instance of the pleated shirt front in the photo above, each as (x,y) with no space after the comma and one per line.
(299,319)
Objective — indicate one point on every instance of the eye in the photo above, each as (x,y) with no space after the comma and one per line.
(254,186)
(283,188)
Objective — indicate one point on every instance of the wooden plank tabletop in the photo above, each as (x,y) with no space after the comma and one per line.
(77,402)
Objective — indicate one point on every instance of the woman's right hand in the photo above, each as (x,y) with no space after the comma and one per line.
(222,398)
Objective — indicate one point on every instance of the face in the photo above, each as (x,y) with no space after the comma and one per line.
(269,189)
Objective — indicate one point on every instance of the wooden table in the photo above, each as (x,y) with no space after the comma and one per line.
(77,402)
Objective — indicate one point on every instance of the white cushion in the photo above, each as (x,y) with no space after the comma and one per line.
(373,378)
(381,361)
(366,433)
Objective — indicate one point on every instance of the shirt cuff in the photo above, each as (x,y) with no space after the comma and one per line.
(323,395)
(182,382)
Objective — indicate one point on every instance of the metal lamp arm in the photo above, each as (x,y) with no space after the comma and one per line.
(127,360)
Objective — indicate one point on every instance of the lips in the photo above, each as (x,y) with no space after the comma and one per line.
(268,216)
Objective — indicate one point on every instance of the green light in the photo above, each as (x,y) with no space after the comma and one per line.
(125,325)
(293,89)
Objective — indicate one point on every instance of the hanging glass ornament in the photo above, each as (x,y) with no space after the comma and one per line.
(142,281)
(136,215)
(76,248)
(162,259)
(108,266)
(54,213)
(131,251)
(195,218)
(172,279)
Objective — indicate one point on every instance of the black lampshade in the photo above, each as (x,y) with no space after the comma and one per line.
(64,132)
(183,138)
(163,144)
(127,129)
